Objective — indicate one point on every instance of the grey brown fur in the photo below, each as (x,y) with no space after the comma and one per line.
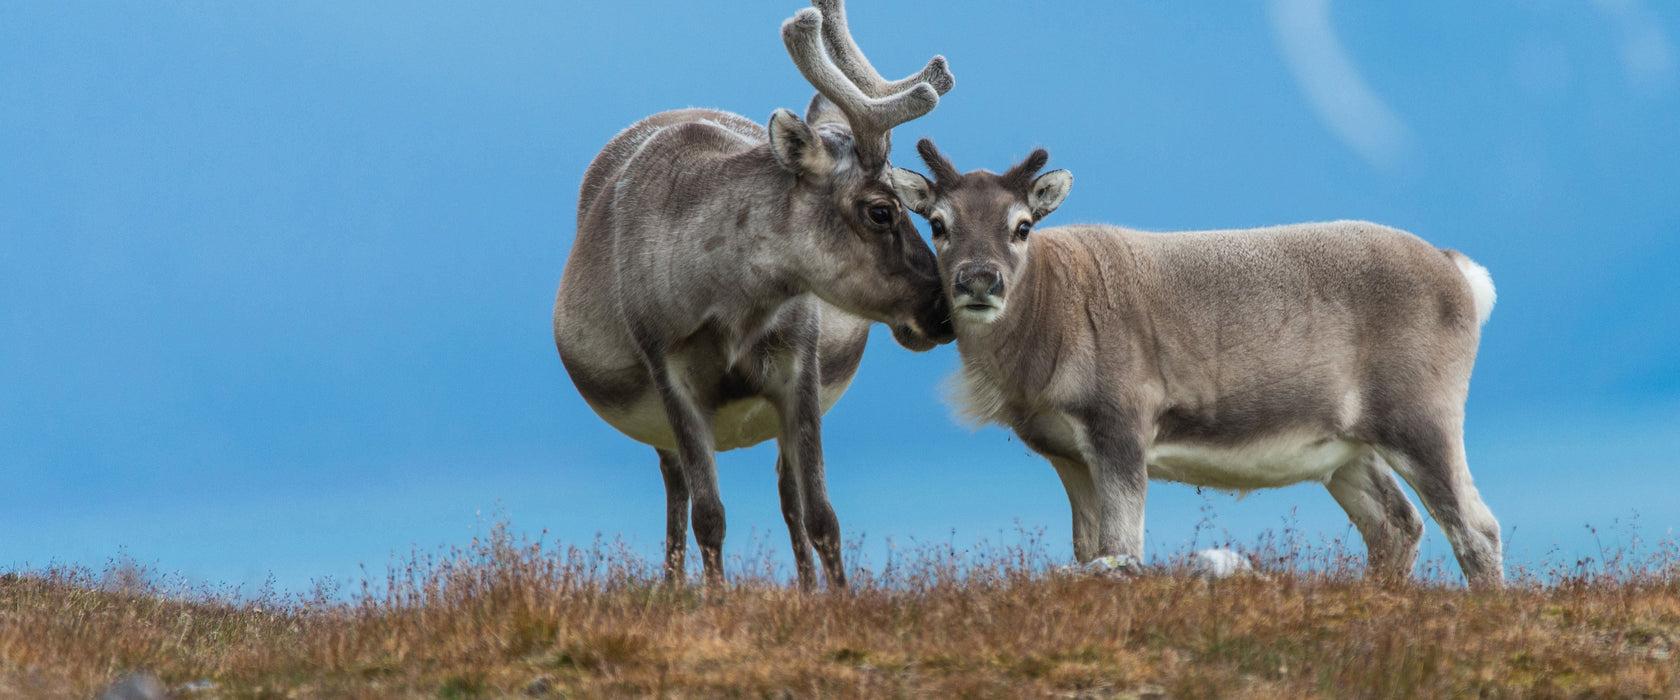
(720,288)
(1338,352)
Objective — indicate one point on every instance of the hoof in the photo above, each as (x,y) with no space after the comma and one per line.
(1116,566)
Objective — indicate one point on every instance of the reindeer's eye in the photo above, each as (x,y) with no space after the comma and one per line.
(1022,229)
(881,215)
(938,227)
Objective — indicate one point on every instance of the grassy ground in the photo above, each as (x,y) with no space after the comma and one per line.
(508,618)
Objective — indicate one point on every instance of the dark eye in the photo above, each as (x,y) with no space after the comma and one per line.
(881,215)
(1022,229)
(938,227)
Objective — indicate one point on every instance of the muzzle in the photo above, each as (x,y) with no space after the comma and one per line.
(977,285)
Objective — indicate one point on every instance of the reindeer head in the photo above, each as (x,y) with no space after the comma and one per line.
(982,224)
(868,257)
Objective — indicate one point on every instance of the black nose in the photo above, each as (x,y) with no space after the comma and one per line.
(979,281)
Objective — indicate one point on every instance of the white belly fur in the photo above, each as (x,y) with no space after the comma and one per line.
(1277,460)
(737,424)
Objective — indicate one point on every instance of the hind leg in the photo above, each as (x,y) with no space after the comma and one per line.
(1392,529)
(676,516)
(1433,462)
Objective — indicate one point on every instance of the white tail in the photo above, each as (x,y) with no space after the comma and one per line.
(1481,285)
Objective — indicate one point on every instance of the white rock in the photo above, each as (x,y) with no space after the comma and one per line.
(1219,563)
(135,686)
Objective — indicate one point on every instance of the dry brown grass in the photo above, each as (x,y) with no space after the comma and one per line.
(507,617)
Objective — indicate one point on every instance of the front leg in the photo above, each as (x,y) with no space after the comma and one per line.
(822,526)
(793,513)
(1082,498)
(1113,448)
(691,423)
(800,408)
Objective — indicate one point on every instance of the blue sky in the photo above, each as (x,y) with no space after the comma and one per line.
(275,278)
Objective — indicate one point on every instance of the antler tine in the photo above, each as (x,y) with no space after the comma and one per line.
(851,61)
(871,118)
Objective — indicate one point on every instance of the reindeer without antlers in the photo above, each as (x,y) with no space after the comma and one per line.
(713,293)
(1334,352)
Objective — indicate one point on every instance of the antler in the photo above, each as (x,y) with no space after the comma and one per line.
(943,171)
(871,116)
(1020,176)
(851,61)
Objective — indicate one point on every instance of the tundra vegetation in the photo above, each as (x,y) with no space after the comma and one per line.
(508,617)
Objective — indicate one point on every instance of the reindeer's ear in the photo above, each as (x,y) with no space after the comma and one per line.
(914,190)
(821,111)
(1048,191)
(797,147)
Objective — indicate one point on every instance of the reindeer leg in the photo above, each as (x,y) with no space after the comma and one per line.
(1113,450)
(693,430)
(1432,460)
(793,513)
(821,524)
(676,516)
(801,412)
(1082,498)
(1391,527)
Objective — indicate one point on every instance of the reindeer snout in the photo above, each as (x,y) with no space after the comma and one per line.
(979,281)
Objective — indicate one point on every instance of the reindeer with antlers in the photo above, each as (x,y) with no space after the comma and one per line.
(721,285)
(1330,352)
